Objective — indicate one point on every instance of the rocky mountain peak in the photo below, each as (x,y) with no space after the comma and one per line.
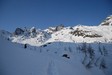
(107,21)
(18,31)
(33,29)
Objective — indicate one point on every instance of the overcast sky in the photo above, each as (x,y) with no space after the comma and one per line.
(45,13)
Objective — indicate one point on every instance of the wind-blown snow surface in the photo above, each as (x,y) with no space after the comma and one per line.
(16,60)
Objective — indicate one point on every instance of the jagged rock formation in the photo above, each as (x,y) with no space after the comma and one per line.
(18,31)
(55,29)
(84,34)
(79,34)
(107,21)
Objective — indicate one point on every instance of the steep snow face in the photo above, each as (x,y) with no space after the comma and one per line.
(50,59)
(107,21)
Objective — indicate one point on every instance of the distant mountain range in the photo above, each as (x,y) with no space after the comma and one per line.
(79,33)
(78,50)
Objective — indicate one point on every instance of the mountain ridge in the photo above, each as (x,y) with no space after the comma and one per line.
(81,50)
(77,34)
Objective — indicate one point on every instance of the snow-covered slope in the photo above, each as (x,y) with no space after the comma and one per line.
(78,50)
(80,34)
(50,59)
(77,34)
(30,36)
(5,34)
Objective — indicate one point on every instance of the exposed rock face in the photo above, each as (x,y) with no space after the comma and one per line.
(84,34)
(18,31)
(55,29)
(33,32)
(33,29)
(107,21)
(59,27)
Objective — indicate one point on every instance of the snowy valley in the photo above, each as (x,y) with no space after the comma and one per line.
(78,50)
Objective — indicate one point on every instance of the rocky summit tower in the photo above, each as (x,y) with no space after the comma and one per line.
(107,21)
